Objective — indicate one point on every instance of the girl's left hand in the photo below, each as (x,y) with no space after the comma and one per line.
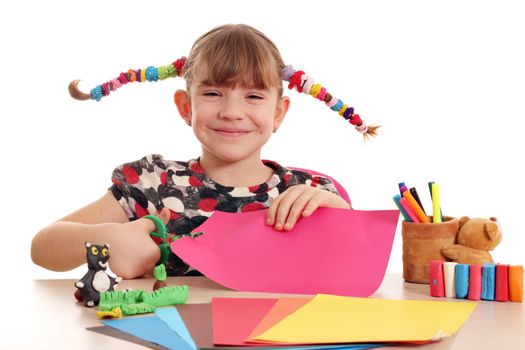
(300,200)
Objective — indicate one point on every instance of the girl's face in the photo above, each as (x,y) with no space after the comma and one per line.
(232,124)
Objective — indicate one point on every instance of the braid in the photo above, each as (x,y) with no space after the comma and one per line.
(306,84)
(296,79)
(149,74)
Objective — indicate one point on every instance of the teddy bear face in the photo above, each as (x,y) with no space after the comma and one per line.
(479,233)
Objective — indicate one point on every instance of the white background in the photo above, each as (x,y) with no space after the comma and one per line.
(446,81)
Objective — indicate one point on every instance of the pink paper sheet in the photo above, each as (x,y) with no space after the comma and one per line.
(235,318)
(334,251)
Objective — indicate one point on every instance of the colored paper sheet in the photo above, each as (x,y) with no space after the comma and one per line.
(151,329)
(198,319)
(336,319)
(235,318)
(115,333)
(281,309)
(335,251)
(171,317)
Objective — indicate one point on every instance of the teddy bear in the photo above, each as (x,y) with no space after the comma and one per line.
(475,238)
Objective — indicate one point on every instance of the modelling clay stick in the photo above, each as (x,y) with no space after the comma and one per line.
(488,281)
(474,282)
(437,286)
(396,199)
(417,209)
(516,283)
(462,277)
(502,282)
(408,209)
(449,269)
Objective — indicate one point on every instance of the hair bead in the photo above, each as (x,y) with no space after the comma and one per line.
(348,113)
(151,74)
(96,93)
(314,91)
(308,83)
(337,106)
(296,81)
(179,65)
(163,72)
(356,120)
(343,109)
(288,71)
(123,77)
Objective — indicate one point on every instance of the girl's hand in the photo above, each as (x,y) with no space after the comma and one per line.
(133,253)
(300,200)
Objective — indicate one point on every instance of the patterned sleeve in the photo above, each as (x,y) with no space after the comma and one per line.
(322,182)
(132,184)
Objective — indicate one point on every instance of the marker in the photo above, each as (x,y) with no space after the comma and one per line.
(414,194)
(396,199)
(401,186)
(408,209)
(430,189)
(435,203)
(417,209)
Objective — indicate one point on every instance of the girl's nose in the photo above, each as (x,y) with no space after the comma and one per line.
(231,109)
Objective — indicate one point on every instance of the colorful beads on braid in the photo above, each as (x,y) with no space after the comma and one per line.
(305,83)
(140,75)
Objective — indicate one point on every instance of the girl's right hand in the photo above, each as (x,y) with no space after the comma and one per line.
(133,253)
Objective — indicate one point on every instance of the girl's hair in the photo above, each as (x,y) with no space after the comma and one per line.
(232,55)
(235,55)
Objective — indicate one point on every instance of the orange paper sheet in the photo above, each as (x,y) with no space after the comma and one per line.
(281,309)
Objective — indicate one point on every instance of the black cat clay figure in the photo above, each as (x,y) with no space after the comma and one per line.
(96,280)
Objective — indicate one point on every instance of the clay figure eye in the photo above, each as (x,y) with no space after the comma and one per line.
(94,250)
(105,252)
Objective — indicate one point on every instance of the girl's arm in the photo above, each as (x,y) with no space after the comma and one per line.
(60,246)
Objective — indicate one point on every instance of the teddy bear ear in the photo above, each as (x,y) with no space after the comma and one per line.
(492,230)
(462,220)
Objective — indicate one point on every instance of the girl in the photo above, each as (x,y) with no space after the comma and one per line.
(233,101)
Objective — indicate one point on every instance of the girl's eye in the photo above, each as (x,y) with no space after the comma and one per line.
(255,97)
(211,93)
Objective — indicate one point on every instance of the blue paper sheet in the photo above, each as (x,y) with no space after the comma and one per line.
(172,318)
(152,329)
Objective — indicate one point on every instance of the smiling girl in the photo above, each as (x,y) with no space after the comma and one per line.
(234,102)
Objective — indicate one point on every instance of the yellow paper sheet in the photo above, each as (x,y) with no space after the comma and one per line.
(336,319)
